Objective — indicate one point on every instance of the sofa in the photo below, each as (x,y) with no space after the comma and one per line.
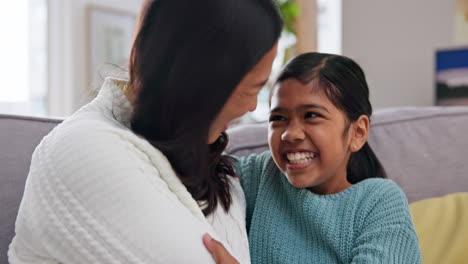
(423,149)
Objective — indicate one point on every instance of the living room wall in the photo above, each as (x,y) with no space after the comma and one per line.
(68,35)
(395,41)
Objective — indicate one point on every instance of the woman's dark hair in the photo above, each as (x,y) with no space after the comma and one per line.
(344,84)
(188,57)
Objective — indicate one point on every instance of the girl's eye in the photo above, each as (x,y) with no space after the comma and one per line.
(311,115)
(276,118)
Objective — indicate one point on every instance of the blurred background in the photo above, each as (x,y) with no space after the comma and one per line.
(55,53)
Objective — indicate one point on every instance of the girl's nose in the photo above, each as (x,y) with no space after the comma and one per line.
(293,133)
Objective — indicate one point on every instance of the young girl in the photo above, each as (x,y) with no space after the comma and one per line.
(319,195)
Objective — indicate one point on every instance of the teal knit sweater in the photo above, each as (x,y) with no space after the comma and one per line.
(367,223)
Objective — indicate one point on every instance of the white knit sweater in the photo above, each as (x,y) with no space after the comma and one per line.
(98,193)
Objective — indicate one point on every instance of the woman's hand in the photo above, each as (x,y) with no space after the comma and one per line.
(217,250)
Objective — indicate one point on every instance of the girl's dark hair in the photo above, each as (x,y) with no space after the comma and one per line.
(344,84)
(188,57)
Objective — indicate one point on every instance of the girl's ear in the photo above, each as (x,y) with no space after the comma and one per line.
(360,133)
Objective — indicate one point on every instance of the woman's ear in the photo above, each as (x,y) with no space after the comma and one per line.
(360,133)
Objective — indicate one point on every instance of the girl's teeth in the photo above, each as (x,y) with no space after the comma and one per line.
(302,157)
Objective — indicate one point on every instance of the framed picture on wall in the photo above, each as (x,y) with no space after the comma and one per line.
(452,76)
(110,34)
(461,21)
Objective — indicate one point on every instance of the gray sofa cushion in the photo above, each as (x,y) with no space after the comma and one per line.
(19,137)
(423,149)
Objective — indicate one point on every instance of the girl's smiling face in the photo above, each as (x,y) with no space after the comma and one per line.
(311,140)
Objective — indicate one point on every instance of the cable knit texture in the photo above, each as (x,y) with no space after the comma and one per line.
(367,223)
(98,193)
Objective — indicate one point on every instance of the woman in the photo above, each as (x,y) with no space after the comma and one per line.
(137,175)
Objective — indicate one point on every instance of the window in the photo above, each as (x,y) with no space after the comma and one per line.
(329,26)
(329,33)
(23,49)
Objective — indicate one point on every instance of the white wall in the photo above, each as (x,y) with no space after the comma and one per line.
(394,41)
(68,65)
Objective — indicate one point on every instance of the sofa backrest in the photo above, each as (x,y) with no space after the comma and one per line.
(424,150)
(19,136)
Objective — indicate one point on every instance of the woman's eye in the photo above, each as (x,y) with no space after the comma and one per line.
(276,118)
(254,93)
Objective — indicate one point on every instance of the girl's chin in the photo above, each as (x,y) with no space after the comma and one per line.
(298,183)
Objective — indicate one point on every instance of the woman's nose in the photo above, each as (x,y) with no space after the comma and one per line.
(293,133)
(253,104)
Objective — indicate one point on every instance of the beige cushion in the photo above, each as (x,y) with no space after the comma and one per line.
(442,228)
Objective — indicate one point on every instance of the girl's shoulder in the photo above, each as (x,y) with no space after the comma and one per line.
(253,170)
(256,163)
(382,195)
(370,193)
(383,182)
(382,188)
(371,190)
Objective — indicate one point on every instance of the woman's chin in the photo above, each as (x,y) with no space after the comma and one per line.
(212,140)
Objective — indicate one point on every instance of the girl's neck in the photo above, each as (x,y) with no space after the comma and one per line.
(330,188)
